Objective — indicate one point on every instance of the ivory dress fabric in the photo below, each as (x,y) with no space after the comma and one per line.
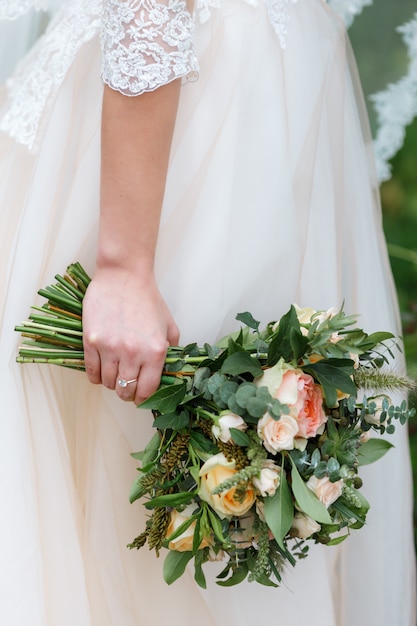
(271,199)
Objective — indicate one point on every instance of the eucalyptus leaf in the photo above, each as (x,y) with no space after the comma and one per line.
(248,319)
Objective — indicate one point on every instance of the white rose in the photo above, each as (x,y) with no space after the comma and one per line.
(326,491)
(268,480)
(226,421)
(304,525)
(279,434)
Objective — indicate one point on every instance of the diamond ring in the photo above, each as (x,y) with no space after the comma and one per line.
(122,382)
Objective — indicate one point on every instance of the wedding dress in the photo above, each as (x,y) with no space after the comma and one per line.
(18,35)
(271,198)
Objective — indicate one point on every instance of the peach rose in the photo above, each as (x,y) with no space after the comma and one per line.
(221,428)
(326,491)
(279,434)
(226,504)
(268,480)
(300,393)
(304,526)
(184,542)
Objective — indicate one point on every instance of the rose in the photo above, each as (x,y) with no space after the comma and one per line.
(226,421)
(300,393)
(278,434)
(326,491)
(184,542)
(227,503)
(268,480)
(304,526)
(305,399)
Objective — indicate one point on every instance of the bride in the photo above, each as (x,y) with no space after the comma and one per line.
(249,187)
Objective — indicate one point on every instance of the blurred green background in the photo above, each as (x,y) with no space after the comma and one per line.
(382,58)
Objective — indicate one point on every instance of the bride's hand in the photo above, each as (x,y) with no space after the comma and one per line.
(127,329)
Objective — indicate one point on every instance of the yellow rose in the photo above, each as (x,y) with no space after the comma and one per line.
(226,504)
(183,543)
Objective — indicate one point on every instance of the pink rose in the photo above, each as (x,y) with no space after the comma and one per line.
(279,434)
(326,491)
(300,393)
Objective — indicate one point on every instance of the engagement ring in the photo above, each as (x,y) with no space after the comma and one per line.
(122,382)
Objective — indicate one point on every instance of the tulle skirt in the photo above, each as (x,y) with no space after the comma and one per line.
(271,199)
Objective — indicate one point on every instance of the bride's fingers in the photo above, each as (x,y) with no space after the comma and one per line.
(92,361)
(149,380)
(126,386)
(173,334)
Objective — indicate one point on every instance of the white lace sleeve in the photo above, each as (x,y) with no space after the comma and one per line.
(146,44)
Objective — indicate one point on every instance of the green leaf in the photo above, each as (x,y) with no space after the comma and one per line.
(245,391)
(173,421)
(256,407)
(239,437)
(238,576)
(200,442)
(285,340)
(333,375)
(306,499)
(372,450)
(199,577)
(279,511)
(337,540)
(165,399)
(136,491)
(216,525)
(170,499)
(248,319)
(175,564)
(182,527)
(241,363)
(152,450)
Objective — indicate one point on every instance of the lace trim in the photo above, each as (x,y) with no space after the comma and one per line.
(33,88)
(160,36)
(396,106)
(348,9)
(278,11)
(146,44)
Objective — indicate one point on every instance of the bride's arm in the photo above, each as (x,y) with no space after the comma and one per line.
(127,326)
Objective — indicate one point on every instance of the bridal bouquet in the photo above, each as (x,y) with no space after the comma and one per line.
(258,440)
